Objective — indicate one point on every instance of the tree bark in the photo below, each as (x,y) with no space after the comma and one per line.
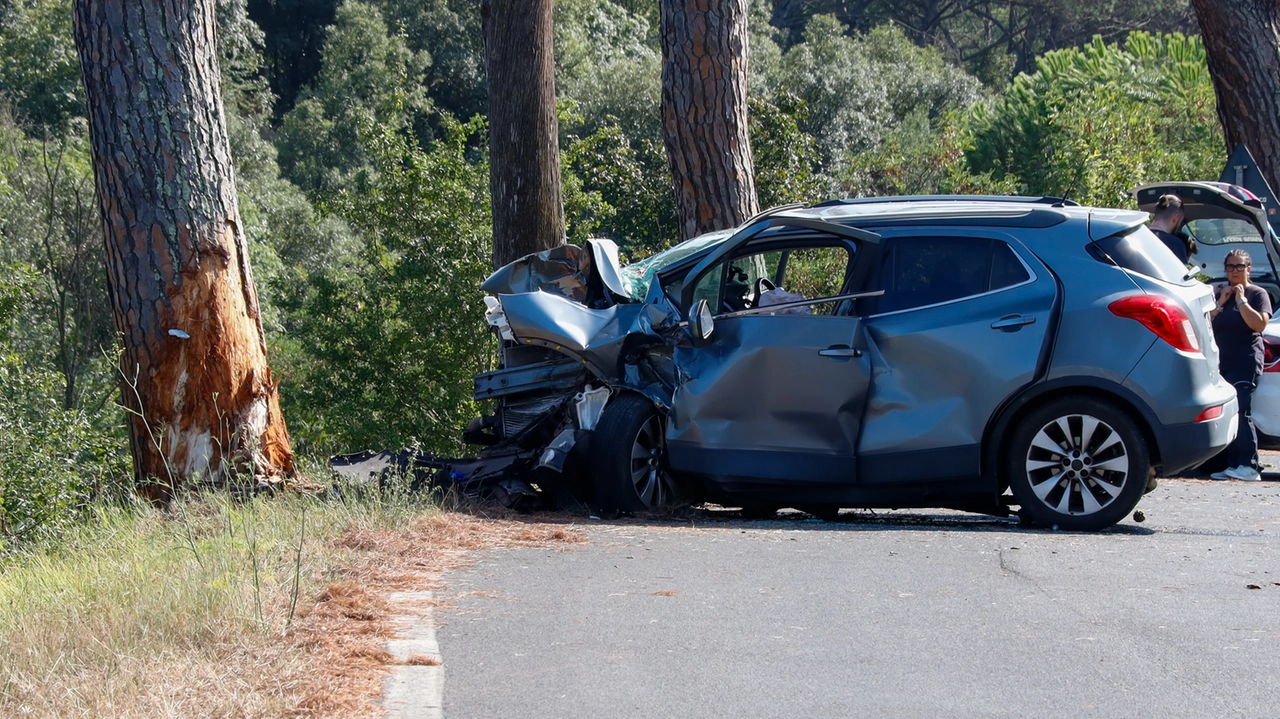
(524,145)
(196,382)
(704,113)
(1242,42)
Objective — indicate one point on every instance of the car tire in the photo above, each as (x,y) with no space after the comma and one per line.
(1077,464)
(628,456)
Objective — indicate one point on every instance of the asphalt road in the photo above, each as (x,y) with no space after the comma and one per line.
(900,614)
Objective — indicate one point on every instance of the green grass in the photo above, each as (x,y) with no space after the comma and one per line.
(179,612)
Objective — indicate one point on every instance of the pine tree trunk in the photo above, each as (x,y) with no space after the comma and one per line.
(704,113)
(1242,41)
(524,144)
(195,376)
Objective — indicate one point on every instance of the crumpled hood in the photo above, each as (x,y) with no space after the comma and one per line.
(588,274)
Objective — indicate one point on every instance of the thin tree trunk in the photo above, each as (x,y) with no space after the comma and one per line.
(195,376)
(1242,41)
(704,113)
(524,145)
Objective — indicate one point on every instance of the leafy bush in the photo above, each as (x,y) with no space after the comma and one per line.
(53,461)
(1092,123)
(386,343)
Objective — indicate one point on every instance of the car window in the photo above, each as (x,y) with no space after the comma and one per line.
(1141,251)
(773,276)
(1223,230)
(922,271)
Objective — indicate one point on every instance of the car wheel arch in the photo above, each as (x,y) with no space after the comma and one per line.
(999,429)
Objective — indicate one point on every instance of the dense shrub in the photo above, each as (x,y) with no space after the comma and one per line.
(387,342)
(1094,122)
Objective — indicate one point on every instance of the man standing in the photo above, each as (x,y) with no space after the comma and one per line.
(1168,220)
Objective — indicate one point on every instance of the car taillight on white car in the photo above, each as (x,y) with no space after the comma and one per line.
(1163,316)
(1271,356)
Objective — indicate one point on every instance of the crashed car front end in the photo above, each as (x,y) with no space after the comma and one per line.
(572,333)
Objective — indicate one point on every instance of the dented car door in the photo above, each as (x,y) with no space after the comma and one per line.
(962,325)
(775,398)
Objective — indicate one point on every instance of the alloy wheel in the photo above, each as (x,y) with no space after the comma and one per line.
(1077,464)
(646,463)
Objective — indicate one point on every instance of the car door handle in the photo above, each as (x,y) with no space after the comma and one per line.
(1012,323)
(840,352)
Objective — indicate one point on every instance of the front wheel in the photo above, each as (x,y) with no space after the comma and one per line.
(628,456)
(1077,464)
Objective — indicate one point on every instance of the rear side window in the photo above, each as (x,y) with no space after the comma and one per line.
(921,271)
(1142,252)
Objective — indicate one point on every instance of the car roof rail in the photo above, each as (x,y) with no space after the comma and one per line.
(1044,200)
(773,211)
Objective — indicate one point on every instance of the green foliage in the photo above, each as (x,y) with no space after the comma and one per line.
(53,461)
(859,91)
(39,67)
(386,346)
(787,162)
(606,65)
(1094,122)
(450,31)
(49,222)
(634,184)
(369,75)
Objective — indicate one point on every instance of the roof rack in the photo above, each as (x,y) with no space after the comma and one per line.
(1051,201)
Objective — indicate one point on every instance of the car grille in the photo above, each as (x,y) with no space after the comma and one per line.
(517,416)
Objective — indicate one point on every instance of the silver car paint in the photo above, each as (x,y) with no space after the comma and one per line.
(761,383)
(762,388)
(914,403)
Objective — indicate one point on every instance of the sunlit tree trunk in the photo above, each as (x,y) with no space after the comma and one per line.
(1242,41)
(196,382)
(524,144)
(704,113)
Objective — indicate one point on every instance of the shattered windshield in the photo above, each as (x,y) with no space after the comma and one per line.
(637,276)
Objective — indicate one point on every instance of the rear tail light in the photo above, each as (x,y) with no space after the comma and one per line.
(1271,356)
(1208,414)
(1163,316)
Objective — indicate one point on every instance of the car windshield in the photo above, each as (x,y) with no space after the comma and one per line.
(637,276)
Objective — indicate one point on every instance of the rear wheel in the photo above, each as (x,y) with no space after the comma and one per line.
(628,456)
(1077,464)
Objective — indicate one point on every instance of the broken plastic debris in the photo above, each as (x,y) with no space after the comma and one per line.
(558,451)
(494,315)
(179,334)
(590,404)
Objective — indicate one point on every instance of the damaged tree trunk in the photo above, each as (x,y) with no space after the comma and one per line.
(1242,42)
(200,395)
(524,133)
(704,113)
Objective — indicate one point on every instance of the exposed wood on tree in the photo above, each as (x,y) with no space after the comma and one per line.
(1242,42)
(524,145)
(704,113)
(196,381)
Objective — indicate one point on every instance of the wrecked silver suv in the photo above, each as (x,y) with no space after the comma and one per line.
(967,352)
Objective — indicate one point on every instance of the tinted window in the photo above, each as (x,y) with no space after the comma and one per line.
(920,271)
(1144,253)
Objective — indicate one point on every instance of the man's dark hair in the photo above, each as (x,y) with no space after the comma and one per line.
(1167,206)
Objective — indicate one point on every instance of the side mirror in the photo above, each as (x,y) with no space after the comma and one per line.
(701,322)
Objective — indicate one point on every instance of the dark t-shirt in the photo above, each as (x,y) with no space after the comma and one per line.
(1240,349)
(1176,244)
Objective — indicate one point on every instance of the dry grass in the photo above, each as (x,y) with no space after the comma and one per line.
(188,613)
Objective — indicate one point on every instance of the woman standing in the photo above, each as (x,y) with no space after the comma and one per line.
(1243,311)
